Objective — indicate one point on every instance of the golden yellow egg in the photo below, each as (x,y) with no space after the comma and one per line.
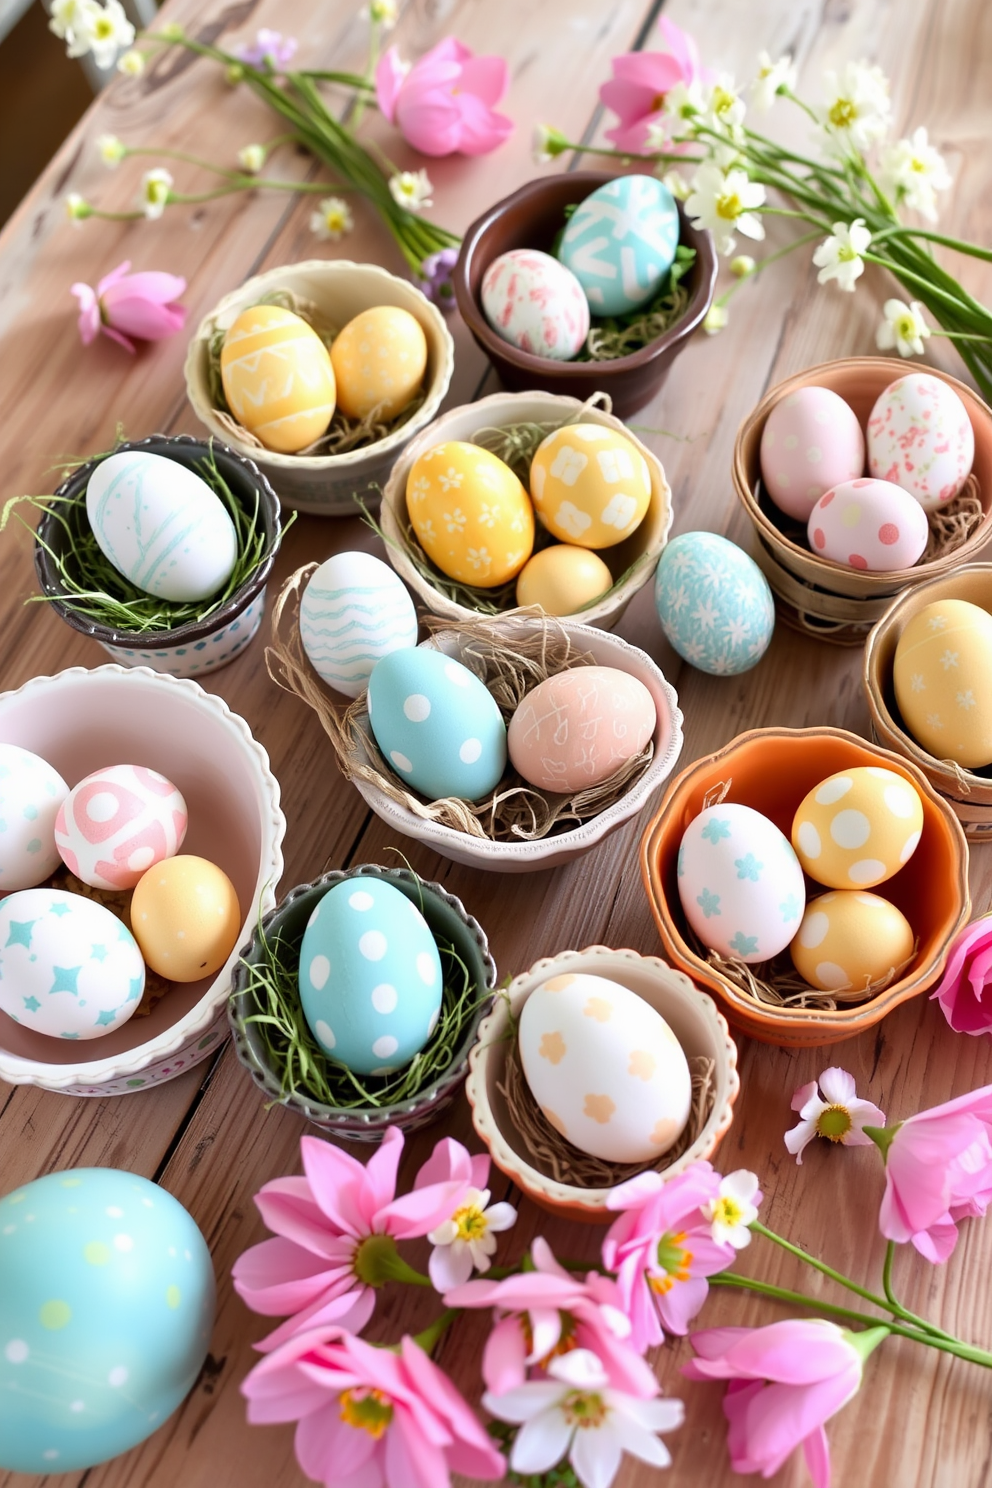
(858,827)
(278,379)
(185,917)
(562,579)
(379,361)
(471,515)
(943,680)
(590,485)
(848,940)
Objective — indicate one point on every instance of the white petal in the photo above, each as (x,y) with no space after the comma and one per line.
(596,1455)
(798,1138)
(741,1185)
(501,1217)
(444,1234)
(580,1368)
(541,1442)
(525,1402)
(661,1414)
(838,1086)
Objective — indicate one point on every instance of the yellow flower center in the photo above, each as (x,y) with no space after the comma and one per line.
(727,1211)
(842,113)
(905,331)
(835,1122)
(367,1410)
(103,29)
(657,103)
(675,1262)
(566,1340)
(470,1222)
(584,1410)
(729,206)
(722,100)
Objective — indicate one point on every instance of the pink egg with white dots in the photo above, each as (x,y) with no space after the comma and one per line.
(536,304)
(869,524)
(117,823)
(920,436)
(810,443)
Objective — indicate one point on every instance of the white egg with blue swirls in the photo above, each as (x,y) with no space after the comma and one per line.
(714,603)
(370,976)
(31,792)
(161,526)
(355,610)
(620,243)
(437,725)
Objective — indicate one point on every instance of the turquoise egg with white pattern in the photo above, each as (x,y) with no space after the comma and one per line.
(355,610)
(31,792)
(370,976)
(740,883)
(161,526)
(107,1299)
(714,603)
(68,967)
(437,725)
(620,243)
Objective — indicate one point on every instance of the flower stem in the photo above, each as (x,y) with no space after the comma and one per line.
(431,1336)
(803,1255)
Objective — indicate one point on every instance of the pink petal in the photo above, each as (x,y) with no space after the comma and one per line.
(389,76)
(635,1192)
(89,313)
(632,139)
(379,1180)
(682,47)
(288,1208)
(838,1086)
(337,1182)
(781,1417)
(504,1360)
(432,124)
(420,1211)
(482,130)
(115,276)
(328,1449)
(682,1303)
(449,1160)
(651,72)
(798,1138)
(817,1452)
(796,1351)
(146,320)
(411,1460)
(545,1327)
(802,1094)
(348,1309)
(152,285)
(487,78)
(277,1277)
(937,1243)
(119,338)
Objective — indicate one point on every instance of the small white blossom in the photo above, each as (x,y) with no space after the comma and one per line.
(547,143)
(724,108)
(913,171)
(131,63)
(467,1241)
(833,1111)
(683,107)
(112,150)
(675,181)
(412,189)
(105,30)
(858,108)
(383,13)
(773,78)
(733,1209)
(70,22)
(715,319)
(903,328)
(839,256)
(154,195)
(723,202)
(251,158)
(742,266)
(77,207)
(332,219)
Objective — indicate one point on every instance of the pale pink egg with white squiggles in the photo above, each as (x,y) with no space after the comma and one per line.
(920,436)
(869,524)
(117,823)
(536,304)
(810,443)
(575,729)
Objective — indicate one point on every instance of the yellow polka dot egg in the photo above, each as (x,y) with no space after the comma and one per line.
(590,485)
(379,360)
(471,514)
(849,940)
(942,674)
(277,378)
(858,827)
(604,1067)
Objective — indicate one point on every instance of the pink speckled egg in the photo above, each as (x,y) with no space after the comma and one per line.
(114,825)
(535,303)
(577,728)
(810,443)
(869,524)
(920,437)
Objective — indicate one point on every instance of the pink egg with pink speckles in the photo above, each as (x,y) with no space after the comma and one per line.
(810,443)
(536,304)
(117,823)
(869,524)
(920,437)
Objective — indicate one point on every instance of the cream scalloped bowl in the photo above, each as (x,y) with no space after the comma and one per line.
(82,720)
(692,1017)
(327,485)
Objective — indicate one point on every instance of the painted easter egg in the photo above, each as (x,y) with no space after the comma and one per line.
(370,976)
(68,968)
(31,793)
(563,580)
(849,940)
(471,515)
(920,437)
(858,827)
(942,673)
(536,304)
(714,603)
(106,1310)
(186,918)
(354,611)
(379,360)
(161,526)
(620,243)
(117,822)
(575,729)
(605,1068)
(437,725)
(278,378)
(740,883)
(811,442)
(870,525)
(590,485)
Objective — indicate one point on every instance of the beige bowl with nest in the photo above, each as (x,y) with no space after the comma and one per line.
(631,563)
(523,1146)
(334,292)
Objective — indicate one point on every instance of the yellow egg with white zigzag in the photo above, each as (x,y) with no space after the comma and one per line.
(278,379)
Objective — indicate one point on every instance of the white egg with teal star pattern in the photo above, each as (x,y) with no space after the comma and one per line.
(620,243)
(740,883)
(31,792)
(714,603)
(68,967)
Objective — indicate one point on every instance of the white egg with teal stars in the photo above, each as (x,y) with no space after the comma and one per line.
(161,526)
(107,1300)
(437,725)
(68,967)
(620,243)
(370,976)
(354,611)
(714,603)
(31,792)
(740,883)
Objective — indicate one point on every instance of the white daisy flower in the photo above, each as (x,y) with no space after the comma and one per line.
(913,171)
(723,201)
(412,189)
(774,78)
(903,328)
(831,1110)
(332,219)
(839,256)
(467,1240)
(733,1209)
(858,108)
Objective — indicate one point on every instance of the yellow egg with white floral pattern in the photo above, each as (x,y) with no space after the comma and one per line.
(590,485)
(379,359)
(471,515)
(277,378)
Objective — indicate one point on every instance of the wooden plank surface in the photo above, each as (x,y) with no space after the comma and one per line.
(206,1136)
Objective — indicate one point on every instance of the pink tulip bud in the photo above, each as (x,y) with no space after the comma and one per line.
(444,104)
(125,306)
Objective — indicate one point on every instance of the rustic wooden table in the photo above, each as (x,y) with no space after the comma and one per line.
(924,1419)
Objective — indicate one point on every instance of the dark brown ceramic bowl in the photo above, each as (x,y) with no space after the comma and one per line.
(531,218)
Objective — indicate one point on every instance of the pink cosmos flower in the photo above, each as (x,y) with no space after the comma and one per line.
(369,1417)
(125,305)
(636,91)
(832,1111)
(969,970)
(444,104)
(269,49)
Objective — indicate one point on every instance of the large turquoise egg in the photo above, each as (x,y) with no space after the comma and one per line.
(714,603)
(620,243)
(106,1306)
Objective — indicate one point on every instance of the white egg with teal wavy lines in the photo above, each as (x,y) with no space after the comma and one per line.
(354,611)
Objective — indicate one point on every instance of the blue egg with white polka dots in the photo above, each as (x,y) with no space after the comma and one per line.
(436,724)
(620,243)
(370,976)
(107,1302)
(714,603)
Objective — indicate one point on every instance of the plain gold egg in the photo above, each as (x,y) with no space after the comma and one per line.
(277,377)
(563,580)
(848,939)
(379,360)
(185,917)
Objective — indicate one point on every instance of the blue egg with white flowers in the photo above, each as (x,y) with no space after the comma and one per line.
(714,603)
(620,243)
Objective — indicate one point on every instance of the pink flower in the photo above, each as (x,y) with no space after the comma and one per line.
(444,103)
(636,91)
(838,1115)
(125,305)
(270,49)
(370,1417)
(965,979)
